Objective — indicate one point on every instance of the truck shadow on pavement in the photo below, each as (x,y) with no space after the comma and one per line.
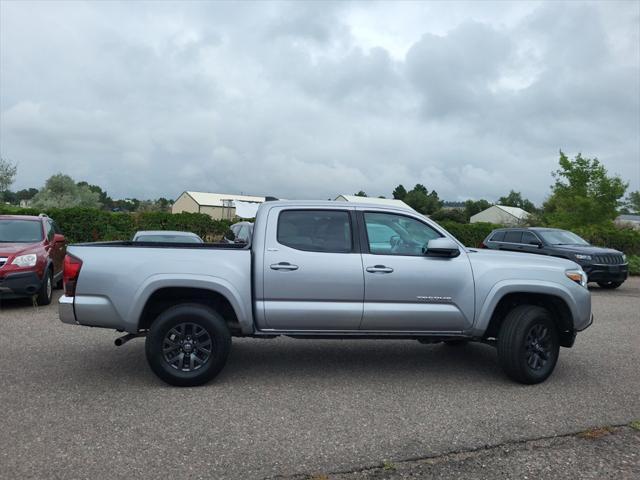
(296,361)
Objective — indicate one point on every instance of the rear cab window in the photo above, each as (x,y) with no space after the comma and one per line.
(316,230)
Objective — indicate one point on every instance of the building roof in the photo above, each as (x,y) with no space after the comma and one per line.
(391,202)
(514,211)
(629,218)
(220,199)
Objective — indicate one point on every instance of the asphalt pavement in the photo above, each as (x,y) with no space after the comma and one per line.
(76,406)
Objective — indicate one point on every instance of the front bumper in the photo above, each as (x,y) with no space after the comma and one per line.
(584,327)
(607,273)
(66,311)
(20,284)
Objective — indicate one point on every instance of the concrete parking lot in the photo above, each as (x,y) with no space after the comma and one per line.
(76,406)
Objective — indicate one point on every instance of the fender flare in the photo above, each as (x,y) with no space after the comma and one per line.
(205,282)
(506,287)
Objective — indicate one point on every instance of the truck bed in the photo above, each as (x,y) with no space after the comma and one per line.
(117,278)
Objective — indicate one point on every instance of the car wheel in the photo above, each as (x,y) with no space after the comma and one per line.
(528,344)
(46,289)
(609,285)
(456,343)
(188,345)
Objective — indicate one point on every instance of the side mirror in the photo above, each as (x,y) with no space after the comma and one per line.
(441,247)
(58,238)
(229,236)
(536,243)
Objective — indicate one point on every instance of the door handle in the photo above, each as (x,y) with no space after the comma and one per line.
(379,269)
(283,266)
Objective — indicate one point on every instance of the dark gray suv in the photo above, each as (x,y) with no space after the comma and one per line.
(607,267)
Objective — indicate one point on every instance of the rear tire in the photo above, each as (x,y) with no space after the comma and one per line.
(609,285)
(46,289)
(188,345)
(528,344)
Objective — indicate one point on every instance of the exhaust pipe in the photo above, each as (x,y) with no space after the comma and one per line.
(129,336)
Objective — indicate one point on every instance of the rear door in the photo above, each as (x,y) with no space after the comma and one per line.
(406,290)
(312,270)
(512,240)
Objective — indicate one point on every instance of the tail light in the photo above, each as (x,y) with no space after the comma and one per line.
(70,274)
(482,245)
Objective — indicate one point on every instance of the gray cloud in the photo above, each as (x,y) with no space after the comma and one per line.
(293,99)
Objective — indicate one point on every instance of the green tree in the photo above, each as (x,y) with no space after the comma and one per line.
(361,194)
(104,199)
(148,206)
(26,194)
(420,200)
(164,204)
(399,192)
(8,172)
(60,191)
(632,202)
(451,214)
(583,193)
(10,197)
(421,189)
(514,199)
(471,207)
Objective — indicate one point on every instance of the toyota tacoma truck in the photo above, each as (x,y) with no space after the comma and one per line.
(326,270)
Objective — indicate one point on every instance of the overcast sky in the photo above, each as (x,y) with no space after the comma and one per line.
(310,100)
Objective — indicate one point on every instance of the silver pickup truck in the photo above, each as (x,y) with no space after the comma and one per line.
(326,270)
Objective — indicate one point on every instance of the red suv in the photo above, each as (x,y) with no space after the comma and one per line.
(32,251)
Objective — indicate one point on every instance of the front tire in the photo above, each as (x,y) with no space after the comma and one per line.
(609,285)
(188,345)
(46,289)
(528,344)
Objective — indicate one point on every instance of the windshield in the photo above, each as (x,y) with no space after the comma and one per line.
(20,231)
(168,238)
(561,237)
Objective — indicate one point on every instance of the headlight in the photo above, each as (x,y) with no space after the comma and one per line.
(580,256)
(624,258)
(25,260)
(577,276)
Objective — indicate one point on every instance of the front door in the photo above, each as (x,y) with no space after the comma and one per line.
(312,271)
(406,290)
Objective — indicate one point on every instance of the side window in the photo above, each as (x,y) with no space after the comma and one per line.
(48,227)
(315,230)
(513,236)
(56,229)
(529,238)
(498,236)
(243,233)
(390,234)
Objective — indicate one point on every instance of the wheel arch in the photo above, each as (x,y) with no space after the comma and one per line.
(165,297)
(556,305)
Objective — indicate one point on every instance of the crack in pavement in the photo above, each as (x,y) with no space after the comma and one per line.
(620,443)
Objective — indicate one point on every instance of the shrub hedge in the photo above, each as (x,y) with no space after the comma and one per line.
(90,225)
